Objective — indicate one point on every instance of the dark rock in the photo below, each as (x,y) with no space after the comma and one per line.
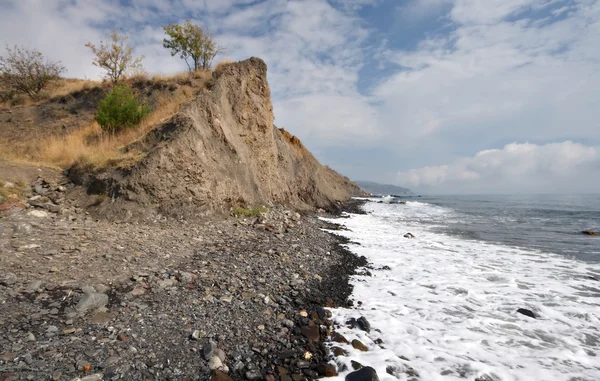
(409,235)
(356,365)
(589,232)
(208,350)
(363,324)
(327,370)
(337,352)
(363,374)
(357,344)
(311,332)
(339,338)
(351,323)
(527,312)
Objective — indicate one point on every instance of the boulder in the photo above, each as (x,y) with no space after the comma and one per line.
(363,374)
(357,344)
(526,312)
(363,324)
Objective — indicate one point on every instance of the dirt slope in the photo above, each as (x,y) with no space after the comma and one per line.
(222,149)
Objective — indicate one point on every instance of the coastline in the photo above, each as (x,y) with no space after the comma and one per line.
(235,295)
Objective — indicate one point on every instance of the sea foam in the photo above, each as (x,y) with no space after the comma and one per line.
(447,307)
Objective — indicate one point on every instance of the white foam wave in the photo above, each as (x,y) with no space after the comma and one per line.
(447,306)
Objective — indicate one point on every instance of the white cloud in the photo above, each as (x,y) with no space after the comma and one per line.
(501,74)
(530,168)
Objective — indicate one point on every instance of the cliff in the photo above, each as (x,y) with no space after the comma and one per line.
(221,149)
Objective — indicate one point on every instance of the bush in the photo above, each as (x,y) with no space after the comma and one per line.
(27,71)
(119,110)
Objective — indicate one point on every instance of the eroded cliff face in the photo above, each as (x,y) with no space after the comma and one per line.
(223,149)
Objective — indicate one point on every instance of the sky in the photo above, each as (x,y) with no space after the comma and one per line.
(440,96)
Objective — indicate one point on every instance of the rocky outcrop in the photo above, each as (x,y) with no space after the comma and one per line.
(223,149)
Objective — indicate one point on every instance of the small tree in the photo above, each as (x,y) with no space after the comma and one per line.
(195,45)
(119,110)
(116,56)
(27,71)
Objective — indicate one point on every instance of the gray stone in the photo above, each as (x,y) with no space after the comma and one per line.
(92,300)
(220,354)
(52,329)
(166,283)
(8,279)
(91,377)
(253,375)
(208,350)
(34,286)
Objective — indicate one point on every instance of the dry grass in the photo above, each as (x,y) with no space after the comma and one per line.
(92,148)
(222,64)
(58,88)
(89,146)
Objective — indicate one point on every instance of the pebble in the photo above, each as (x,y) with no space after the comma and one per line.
(92,300)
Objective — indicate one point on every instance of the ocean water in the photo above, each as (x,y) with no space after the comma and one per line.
(445,304)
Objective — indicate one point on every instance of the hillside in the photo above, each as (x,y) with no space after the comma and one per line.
(383,189)
(217,149)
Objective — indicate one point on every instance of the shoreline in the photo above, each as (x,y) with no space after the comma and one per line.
(253,292)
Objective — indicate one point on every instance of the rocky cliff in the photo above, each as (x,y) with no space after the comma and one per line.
(221,150)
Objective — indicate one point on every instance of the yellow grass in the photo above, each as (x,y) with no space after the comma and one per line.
(91,147)
(221,65)
(88,145)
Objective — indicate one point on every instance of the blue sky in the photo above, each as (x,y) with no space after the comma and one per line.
(441,96)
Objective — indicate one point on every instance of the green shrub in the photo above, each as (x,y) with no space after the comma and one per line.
(119,110)
(238,211)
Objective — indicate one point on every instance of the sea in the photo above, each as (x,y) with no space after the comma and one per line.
(443,305)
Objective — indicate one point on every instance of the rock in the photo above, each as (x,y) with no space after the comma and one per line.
(54,269)
(208,350)
(30,337)
(527,312)
(92,377)
(363,324)
(9,185)
(34,286)
(196,335)
(357,344)
(220,354)
(327,370)
(38,213)
(253,375)
(363,374)
(166,283)
(217,375)
(92,300)
(311,332)
(138,290)
(215,363)
(8,279)
(409,235)
(337,352)
(356,365)
(56,375)
(589,232)
(339,338)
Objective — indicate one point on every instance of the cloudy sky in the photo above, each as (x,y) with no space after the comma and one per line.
(441,96)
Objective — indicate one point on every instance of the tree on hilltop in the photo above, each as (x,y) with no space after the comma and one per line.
(193,44)
(115,56)
(27,71)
